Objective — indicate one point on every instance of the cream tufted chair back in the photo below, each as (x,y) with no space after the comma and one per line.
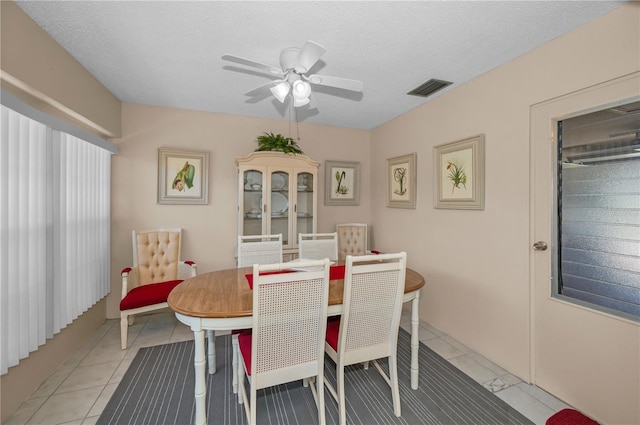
(352,239)
(157,254)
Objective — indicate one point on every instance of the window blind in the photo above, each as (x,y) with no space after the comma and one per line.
(600,235)
(55,232)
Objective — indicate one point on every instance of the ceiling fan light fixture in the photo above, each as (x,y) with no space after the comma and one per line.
(280,91)
(301,90)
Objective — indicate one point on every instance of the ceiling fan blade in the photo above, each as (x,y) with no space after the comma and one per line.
(308,56)
(247,62)
(263,88)
(341,83)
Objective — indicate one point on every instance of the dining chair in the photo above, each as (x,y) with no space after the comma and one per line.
(253,249)
(286,342)
(352,239)
(316,246)
(368,327)
(156,270)
(259,249)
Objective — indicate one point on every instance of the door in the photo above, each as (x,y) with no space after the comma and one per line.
(583,356)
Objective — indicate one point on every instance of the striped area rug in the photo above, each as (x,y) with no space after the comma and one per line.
(158,388)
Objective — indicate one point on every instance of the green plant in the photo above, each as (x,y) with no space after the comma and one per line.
(277,142)
(457,175)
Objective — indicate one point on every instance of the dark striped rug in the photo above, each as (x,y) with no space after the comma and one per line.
(158,388)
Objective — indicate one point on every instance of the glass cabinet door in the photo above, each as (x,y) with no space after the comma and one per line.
(253,220)
(304,205)
(279,206)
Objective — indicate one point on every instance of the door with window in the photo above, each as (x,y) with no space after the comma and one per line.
(585,250)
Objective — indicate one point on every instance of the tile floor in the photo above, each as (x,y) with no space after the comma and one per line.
(77,391)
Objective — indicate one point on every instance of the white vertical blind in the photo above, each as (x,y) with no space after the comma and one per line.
(55,227)
(23,226)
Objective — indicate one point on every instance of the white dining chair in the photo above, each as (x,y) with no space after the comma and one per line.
(286,342)
(368,327)
(253,249)
(352,239)
(316,246)
(259,249)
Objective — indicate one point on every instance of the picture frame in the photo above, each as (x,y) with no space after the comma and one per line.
(183,177)
(459,174)
(342,183)
(401,181)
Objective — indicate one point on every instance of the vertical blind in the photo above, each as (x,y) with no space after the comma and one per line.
(55,227)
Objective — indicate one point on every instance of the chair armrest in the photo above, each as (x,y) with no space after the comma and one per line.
(129,280)
(187,269)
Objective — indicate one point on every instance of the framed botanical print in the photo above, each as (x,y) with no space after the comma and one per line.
(183,176)
(401,181)
(459,174)
(342,183)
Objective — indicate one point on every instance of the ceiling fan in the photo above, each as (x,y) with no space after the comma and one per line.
(295,64)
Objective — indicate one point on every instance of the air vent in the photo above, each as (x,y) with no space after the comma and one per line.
(430,87)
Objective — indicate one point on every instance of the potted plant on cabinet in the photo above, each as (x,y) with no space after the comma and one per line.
(277,142)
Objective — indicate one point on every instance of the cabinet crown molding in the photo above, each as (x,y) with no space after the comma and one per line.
(287,157)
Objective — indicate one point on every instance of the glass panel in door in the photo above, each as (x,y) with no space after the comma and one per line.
(304,205)
(279,211)
(252,203)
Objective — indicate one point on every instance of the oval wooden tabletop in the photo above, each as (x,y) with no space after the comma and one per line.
(226,293)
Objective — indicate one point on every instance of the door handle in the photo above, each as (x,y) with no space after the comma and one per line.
(540,246)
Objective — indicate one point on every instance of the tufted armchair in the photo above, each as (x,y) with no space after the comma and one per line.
(352,239)
(156,270)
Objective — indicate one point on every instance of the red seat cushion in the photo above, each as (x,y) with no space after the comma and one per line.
(153,293)
(335,273)
(244,343)
(333,328)
(570,417)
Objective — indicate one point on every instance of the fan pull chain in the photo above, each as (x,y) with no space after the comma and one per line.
(295,113)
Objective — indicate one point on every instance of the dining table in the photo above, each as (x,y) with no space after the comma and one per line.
(223,301)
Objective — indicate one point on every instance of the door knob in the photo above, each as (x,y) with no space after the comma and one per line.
(540,246)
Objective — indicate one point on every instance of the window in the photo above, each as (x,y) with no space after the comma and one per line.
(598,205)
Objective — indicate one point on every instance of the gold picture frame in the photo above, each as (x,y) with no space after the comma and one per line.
(459,174)
(401,181)
(183,177)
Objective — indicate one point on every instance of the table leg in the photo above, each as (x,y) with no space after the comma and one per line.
(415,340)
(200,377)
(211,351)
(234,362)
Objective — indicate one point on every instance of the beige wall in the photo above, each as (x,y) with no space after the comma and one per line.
(209,231)
(477,263)
(55,81)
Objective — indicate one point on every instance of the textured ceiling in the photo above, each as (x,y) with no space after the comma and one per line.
(168,53)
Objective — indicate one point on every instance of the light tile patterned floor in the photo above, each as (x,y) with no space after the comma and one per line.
(80,388)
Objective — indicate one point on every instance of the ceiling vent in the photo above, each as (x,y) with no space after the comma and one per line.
(430,87)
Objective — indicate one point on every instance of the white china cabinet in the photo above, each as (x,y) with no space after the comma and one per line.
(277,193)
